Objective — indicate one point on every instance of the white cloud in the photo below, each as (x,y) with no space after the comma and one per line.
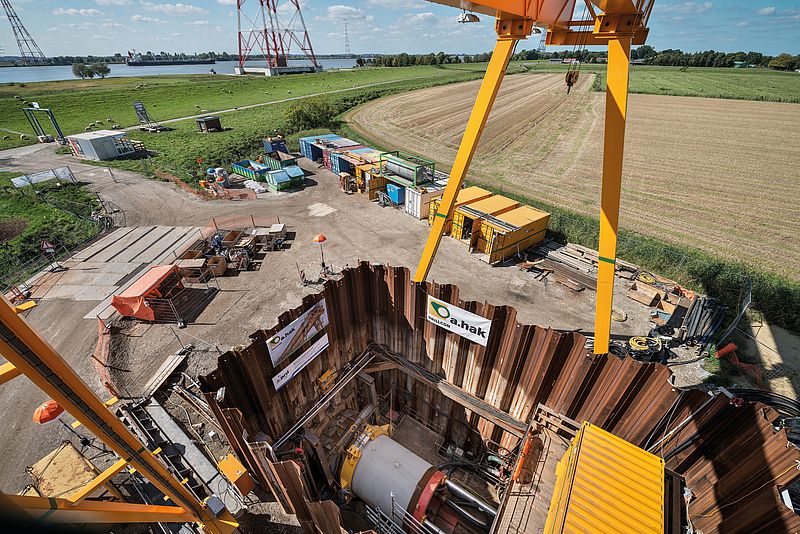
(422,17)
(766,11)
(226,2)
(685,7)
(72,12)
(198,23)
(339,11)
(112,2)
(114,25)
(151,20)
(174,9)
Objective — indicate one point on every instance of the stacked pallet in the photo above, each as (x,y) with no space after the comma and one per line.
(574,266)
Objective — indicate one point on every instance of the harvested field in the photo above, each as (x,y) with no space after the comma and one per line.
(699,172)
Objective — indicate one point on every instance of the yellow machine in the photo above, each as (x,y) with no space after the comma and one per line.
(615,23)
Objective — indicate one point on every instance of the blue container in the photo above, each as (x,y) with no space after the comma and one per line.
(275,145)
(397,193)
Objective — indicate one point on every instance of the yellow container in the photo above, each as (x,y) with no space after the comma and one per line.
(498,243)
(466,196)
(464,227)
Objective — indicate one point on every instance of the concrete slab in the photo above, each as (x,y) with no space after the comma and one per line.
(118,246)
(166,243)
(104,242)
(131,252)
(96,293)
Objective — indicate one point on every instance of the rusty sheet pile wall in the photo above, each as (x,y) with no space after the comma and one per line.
(724,452)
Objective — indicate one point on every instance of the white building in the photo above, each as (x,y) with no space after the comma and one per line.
(101,145)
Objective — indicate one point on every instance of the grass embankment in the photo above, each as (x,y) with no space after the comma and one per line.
(59,214)
(177,151)
(77,103)
(738,84)
(774,297)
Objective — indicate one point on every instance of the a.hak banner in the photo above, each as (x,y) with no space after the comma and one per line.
(459,321)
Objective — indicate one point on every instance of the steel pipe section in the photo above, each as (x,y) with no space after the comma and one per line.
(391,477)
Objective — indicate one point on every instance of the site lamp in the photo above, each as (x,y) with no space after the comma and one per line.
(47,411)
(320,239)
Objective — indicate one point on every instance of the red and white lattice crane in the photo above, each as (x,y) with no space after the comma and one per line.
(262,35)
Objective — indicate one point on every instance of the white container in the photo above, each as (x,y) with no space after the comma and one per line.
(418,201)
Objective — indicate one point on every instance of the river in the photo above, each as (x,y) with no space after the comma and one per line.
(53,73)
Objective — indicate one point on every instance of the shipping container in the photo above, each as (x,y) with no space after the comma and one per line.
(309,145)
(503,235)
(396,193)
(418,200)
(466,219)
(466,196)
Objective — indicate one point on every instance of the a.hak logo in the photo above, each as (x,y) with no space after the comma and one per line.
(440,309)
(459,321)
(277,339)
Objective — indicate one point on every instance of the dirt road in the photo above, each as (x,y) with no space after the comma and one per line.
(699,171)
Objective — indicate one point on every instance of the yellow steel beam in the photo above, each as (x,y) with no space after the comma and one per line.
(53,510)
(22,346)
(98,481)
(8,372)
(619,51)
(466,150)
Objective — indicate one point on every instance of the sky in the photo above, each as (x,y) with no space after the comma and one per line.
(104,27)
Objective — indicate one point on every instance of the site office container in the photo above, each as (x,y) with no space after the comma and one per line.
(279,160)
(503,235)
(465,196)
(418,200)
(467,219)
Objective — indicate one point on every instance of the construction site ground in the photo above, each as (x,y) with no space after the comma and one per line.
(161,215)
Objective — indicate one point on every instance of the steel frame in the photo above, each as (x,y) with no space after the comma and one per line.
(624,23)
(29,354)
(263,32)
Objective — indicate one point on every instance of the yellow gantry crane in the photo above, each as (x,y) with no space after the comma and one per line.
(615,23)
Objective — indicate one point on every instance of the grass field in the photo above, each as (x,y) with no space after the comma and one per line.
(77,103)
(738,84)
(27,217)
(177,151)
(699,172)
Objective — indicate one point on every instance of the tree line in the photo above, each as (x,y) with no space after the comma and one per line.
(645,53)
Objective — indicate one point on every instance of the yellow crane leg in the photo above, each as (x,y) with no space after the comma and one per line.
(619,51)
(466,150)
(53,510)
(29,353)
(100,480)
(8,372)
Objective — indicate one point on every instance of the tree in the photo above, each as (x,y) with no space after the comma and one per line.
(310,113)
(783,62)
(100,69)
(360,62)
(82,71)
